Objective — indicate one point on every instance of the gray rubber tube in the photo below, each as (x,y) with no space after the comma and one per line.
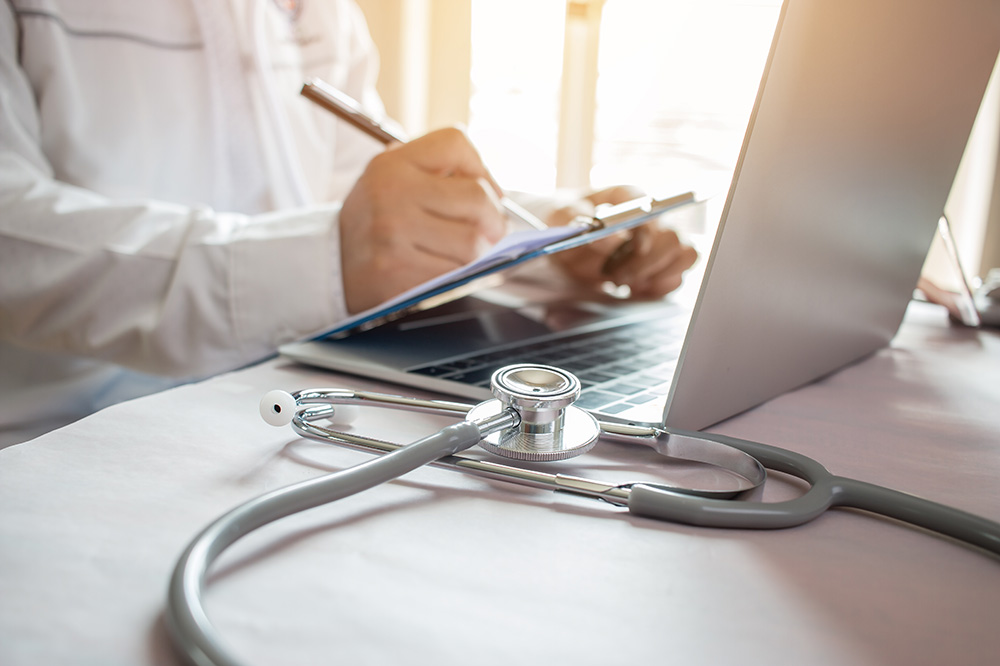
(826,491)
(187,621)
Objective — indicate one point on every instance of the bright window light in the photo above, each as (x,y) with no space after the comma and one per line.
(514,107)
(676,83)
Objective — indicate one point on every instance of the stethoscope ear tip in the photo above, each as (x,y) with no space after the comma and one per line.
(277,407)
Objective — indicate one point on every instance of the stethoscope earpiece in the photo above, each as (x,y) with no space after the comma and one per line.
(278,407)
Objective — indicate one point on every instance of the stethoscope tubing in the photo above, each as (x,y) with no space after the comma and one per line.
(187,620)
(826,491)
(679,505)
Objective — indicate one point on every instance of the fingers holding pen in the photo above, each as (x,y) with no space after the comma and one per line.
(447,152)
(471,201)
(418,210)
(448,180)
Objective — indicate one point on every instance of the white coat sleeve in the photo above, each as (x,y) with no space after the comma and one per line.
(150,285)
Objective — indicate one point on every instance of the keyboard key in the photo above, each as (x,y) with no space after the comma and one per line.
(595,399)
(596,377)
(643,398)
(644,381)
(616,409)
(473,376)
(464,364)
(431,371)
(623,388)
(552,356)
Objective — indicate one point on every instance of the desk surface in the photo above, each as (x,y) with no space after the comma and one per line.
(443,568)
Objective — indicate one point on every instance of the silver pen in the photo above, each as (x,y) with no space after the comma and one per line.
(350,110)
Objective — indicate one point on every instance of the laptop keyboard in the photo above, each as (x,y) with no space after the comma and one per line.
(618,369)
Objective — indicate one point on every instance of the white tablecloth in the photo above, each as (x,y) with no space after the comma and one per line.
(442,568)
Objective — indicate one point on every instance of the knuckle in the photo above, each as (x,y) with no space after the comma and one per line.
(453,135)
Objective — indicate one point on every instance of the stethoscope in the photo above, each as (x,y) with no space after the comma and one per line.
(532,418)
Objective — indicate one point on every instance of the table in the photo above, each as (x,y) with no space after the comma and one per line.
(443,568)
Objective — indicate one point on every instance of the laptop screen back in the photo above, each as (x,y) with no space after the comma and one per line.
(862,117)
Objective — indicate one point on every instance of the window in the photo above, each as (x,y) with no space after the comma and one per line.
(516,73)
(674,84)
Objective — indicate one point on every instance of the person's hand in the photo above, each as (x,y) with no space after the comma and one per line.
(648,259)
(419,210)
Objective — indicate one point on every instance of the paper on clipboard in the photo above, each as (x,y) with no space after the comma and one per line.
(512,250)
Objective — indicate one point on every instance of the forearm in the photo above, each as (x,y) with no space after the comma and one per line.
(155,286)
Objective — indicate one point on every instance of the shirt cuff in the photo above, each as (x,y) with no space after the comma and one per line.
(286,278)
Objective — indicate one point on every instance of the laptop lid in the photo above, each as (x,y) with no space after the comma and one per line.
(862,117)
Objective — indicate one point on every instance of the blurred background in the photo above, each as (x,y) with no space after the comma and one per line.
(590,93)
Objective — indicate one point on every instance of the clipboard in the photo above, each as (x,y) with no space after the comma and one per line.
(513,250)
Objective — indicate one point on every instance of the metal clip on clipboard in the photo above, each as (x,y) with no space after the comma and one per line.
(628,214)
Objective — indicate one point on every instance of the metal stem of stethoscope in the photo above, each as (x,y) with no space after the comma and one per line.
(746,472)
(745,459)
(711,508)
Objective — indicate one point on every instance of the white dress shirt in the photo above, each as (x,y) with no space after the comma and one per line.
(168,201)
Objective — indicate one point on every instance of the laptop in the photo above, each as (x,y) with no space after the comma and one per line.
(862,116)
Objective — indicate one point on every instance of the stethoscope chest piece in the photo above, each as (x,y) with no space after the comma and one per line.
(550,427)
